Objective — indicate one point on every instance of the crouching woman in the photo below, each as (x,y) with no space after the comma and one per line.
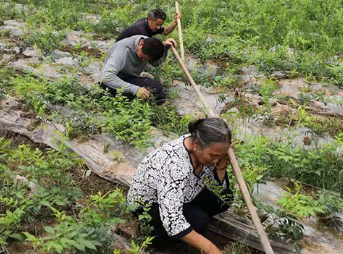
(181,181)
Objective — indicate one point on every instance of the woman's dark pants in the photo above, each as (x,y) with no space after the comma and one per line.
(197,213)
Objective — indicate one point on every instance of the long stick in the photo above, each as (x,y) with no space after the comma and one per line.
(208,109)
(180,32)
(236,170)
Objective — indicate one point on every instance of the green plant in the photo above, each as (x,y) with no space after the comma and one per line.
(332,205)
(299,204)
(46,173)
(267,89)
(303,117)
(144,219)
(319,167)
(65,236)
(166,118)
(90,230)
(281,225)
(219,191)
(137,249)
(336,73)
(46,38)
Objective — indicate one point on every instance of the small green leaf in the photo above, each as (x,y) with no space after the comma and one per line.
(16,236)
(89,245)
(60,202)
(79,246)
(67,242)
(58,247)
(72,234)
(45,203)
(49,230)
(19,195)
(29,237)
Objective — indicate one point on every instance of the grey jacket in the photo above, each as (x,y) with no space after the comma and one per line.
(123,58)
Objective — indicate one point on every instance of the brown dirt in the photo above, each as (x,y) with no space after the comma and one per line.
(241,103)
(18,139)
(94,183)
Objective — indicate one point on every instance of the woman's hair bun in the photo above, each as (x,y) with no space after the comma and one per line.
(193,126)
(208,131)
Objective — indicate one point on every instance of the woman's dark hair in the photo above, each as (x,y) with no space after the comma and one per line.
(154,48)
(157,14)
(208,131)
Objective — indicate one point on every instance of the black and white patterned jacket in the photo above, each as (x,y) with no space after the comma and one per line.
(166,176)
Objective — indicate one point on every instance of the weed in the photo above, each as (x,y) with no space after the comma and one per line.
(137,249)
(332,205)
(335,72)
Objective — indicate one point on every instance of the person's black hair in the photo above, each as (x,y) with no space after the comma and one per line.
(157,14)
(154,48)
(208,131)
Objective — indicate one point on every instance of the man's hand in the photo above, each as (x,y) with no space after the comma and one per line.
(143,93)
(170,42)
(177,16)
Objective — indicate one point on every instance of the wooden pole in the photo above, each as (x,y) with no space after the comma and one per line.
(180,32)
(235,167)
(208,109)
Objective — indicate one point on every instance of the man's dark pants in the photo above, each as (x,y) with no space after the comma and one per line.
(153,85)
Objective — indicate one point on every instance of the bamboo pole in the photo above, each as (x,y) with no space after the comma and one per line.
(208,109)
(235,167)
(180,32)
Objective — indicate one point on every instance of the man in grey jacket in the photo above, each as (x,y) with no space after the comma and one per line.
(125,62)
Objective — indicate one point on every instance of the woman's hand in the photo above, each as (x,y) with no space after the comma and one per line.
(224,162)
(201,243)
(222,165)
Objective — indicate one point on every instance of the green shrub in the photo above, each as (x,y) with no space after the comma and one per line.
(319,167)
